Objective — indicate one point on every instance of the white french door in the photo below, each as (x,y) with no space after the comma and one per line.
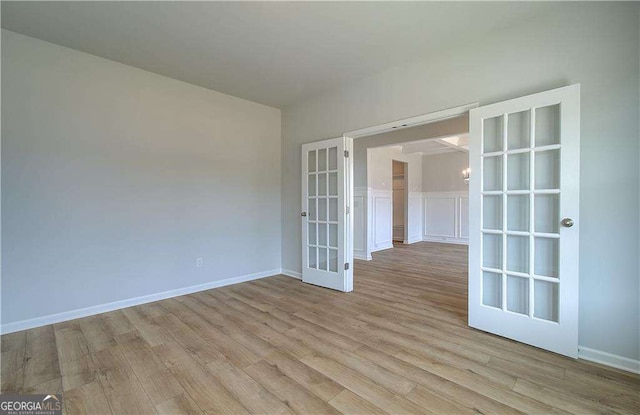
(326,222)
(524,202)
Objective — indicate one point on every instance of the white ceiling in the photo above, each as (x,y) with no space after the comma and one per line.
(274,53)
(432,146)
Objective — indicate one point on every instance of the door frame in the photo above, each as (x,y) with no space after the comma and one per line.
(405,200)
(414,121)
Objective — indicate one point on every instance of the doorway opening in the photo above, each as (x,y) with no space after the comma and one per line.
(522,212)
(399,171)
(410,217)
(392,204)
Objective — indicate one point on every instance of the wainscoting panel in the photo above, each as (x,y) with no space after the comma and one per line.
(415,217)
(446,217)
(440,218)
(360,219)
(382,220)
(463,218)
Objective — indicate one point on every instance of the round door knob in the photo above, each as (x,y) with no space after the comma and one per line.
(567,222)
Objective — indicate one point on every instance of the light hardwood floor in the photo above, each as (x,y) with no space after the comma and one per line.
(397,344)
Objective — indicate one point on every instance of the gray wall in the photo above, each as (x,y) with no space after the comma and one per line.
(443,172)
(115,179)
(380,164)
(594,44)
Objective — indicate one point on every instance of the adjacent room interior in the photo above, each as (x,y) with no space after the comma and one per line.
(321,207)
(399,172)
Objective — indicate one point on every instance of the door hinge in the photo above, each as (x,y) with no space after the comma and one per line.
(346,153)
(346,266)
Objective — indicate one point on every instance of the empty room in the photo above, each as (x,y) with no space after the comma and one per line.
(320,207)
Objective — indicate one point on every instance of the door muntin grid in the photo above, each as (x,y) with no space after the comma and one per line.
(322,207)
(520,200)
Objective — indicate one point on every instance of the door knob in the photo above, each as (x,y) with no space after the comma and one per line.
(567,222)
(303,214)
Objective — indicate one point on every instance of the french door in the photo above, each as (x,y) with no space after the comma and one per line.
(326,221)
(524,201)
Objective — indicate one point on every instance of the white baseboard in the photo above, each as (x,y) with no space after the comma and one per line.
(361,256)
(292,274)
(445,240)
(608,359)
(117,305)
(383,247)
(585,353)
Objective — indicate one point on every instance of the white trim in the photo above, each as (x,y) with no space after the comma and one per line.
(414,218)
(446,240)
(362,257)
(290,273)
(360,220)
(452,194)
(609,359)
(381,193)
(374,217)
(413,121)
(388,245)
(117,305)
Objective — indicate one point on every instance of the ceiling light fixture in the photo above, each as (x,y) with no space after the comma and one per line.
(465,175)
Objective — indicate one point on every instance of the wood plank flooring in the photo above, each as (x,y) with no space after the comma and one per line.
(398,344)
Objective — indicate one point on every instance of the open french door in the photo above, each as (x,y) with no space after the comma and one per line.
(524,202)
(326,221)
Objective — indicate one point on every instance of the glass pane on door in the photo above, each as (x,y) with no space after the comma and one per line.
(547,208)
(546,300)
(322,160)
(492,212)
(322,259)
(518,295)
(518,213)
(492,176)
(548,125)
(519,130)
(547,175)
(518,253)
(547,257)
(492,137)
(492,250)
(313,263)
(492,289)
(518,171)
